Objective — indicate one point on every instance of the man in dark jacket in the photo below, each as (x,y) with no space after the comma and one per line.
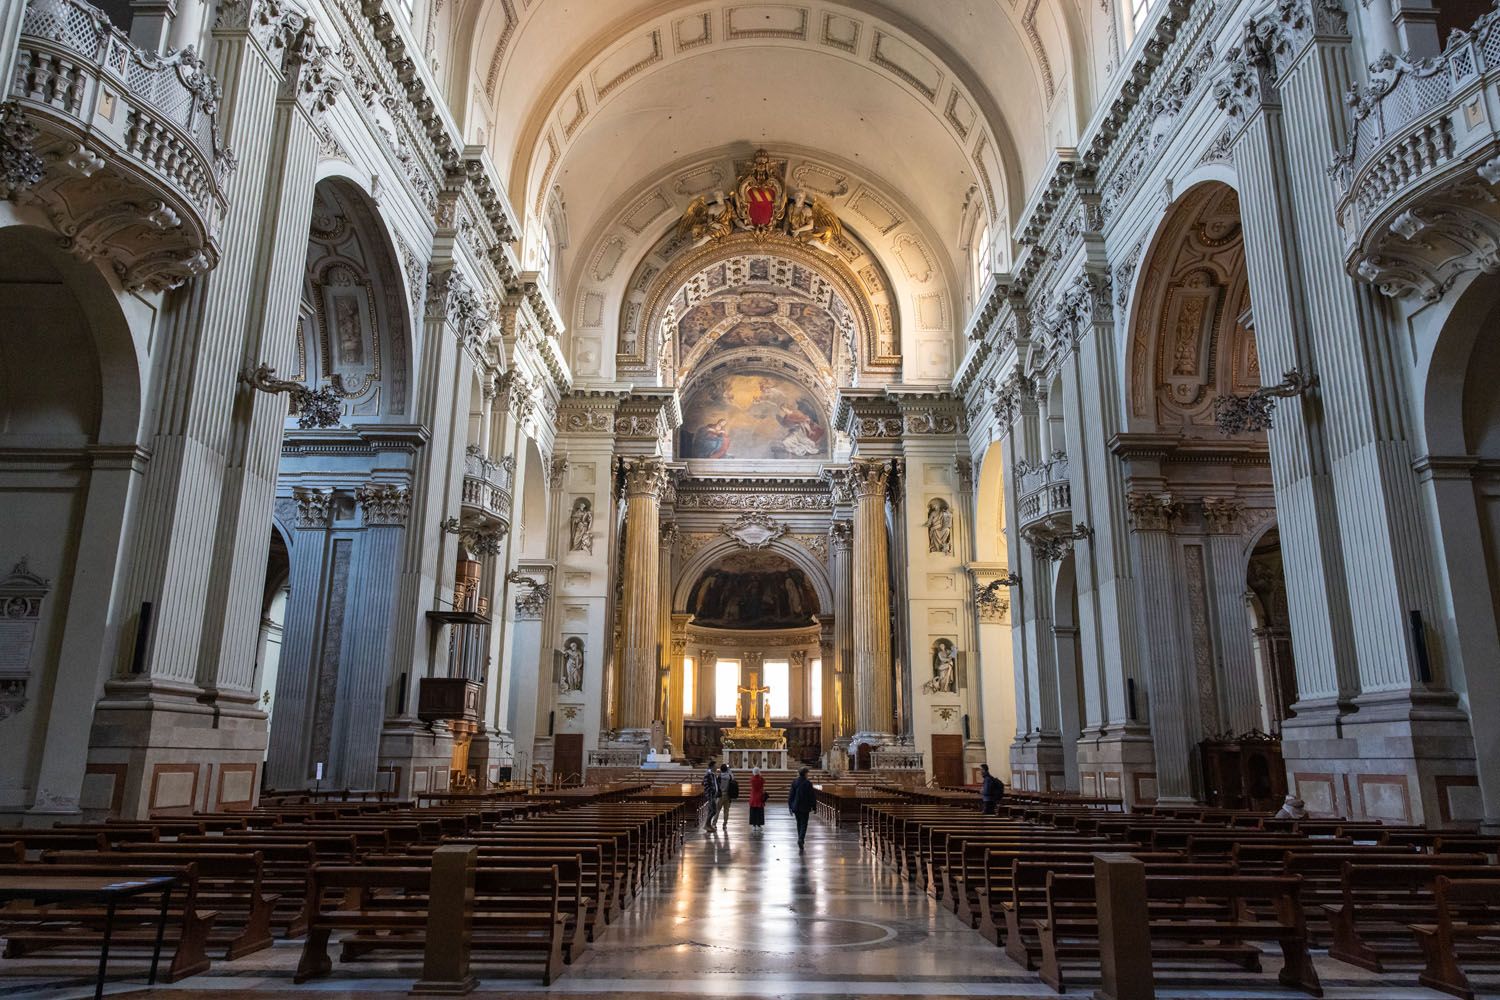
(802,800)
(991,790)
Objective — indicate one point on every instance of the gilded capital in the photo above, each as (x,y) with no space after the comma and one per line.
(645,477)
(869,477)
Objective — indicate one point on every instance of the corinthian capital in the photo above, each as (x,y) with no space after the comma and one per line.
(1152,511)
(842,533)
(645,477)
(869,477)
(1222,514)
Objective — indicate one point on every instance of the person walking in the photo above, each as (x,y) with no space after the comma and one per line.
(757,800)
(729,790)
(991,790)
(711,793)
(801,801)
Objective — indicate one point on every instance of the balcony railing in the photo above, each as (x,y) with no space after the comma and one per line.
(487,488)
(135,165)
(1419,141)
(1045,494)
(896,760)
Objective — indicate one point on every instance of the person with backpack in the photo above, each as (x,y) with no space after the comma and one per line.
(729,790)
(711,793)
(800,802)
(991,790)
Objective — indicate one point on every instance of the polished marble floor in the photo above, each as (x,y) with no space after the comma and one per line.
(738,914)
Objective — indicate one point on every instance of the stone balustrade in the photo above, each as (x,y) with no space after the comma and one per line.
(616,758)
(1415,177)
(135,166)
(487,489)
(896,760)
(1045,493)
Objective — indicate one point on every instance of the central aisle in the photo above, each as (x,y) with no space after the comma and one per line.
(742,913)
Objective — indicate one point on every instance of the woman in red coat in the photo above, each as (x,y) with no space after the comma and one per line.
(757,800)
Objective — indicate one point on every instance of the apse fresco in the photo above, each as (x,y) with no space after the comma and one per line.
(755,415)
(753,590)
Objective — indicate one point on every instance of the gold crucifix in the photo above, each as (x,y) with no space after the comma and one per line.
(755,691)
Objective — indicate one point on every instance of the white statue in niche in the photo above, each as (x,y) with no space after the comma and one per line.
(572,666)
(581,524)
(939,526)
(944,668)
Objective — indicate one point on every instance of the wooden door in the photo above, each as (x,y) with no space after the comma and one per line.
(567,758)
(948,759)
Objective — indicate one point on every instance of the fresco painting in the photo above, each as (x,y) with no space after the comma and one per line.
(750,416)
(753,590)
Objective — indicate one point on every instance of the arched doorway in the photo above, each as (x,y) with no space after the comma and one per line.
(70,464)
(343,495)
(1460,472)
(1197,497)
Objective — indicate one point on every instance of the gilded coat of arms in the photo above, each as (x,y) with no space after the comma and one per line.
(761,204)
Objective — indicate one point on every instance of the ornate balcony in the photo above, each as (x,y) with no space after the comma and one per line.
(133,165)
(487,489)
(1045,494)
(1415,179)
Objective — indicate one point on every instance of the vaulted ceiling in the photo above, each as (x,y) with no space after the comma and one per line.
(941,100)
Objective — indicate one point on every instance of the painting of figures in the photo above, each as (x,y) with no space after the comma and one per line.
(754,415)
(753,590)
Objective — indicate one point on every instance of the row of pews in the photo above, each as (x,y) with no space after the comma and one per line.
(545,874)
(1058,883)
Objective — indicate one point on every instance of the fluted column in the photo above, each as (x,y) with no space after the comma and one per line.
(1236,661)
(828,691)
(1172,700)
(645,479)
(871,637)
(842,664)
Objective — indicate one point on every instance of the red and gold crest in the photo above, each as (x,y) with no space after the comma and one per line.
(762,195)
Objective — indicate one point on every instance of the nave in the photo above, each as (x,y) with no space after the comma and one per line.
(736,913)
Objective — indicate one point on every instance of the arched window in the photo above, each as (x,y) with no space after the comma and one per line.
(1138,11)
(980,252)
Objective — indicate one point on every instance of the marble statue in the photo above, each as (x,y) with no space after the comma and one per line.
(939,526)
(572,669)
(944,668)
(581,523)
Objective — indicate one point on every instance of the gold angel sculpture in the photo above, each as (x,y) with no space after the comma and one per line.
(811,221)
(706,219)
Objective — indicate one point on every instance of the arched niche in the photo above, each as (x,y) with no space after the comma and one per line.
(533,525)
(67,360)
(1191,333)
(989,501)
(354,321)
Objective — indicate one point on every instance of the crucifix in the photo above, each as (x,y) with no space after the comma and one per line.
(755,691)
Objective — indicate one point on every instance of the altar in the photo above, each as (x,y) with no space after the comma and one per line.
(755,746)
(758,744)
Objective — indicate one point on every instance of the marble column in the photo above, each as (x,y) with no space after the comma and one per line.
(828,692)
(645,479)
(871,636)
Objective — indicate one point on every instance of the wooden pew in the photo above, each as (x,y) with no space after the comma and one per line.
(1380,902)
(1466,912)
(1191,917)
(515,913)
(77,927)
(229,883)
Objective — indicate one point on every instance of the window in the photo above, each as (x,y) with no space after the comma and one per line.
(981,261)
(726,688)
(1138,11)
(815,686)
(777,675)
(689,709)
